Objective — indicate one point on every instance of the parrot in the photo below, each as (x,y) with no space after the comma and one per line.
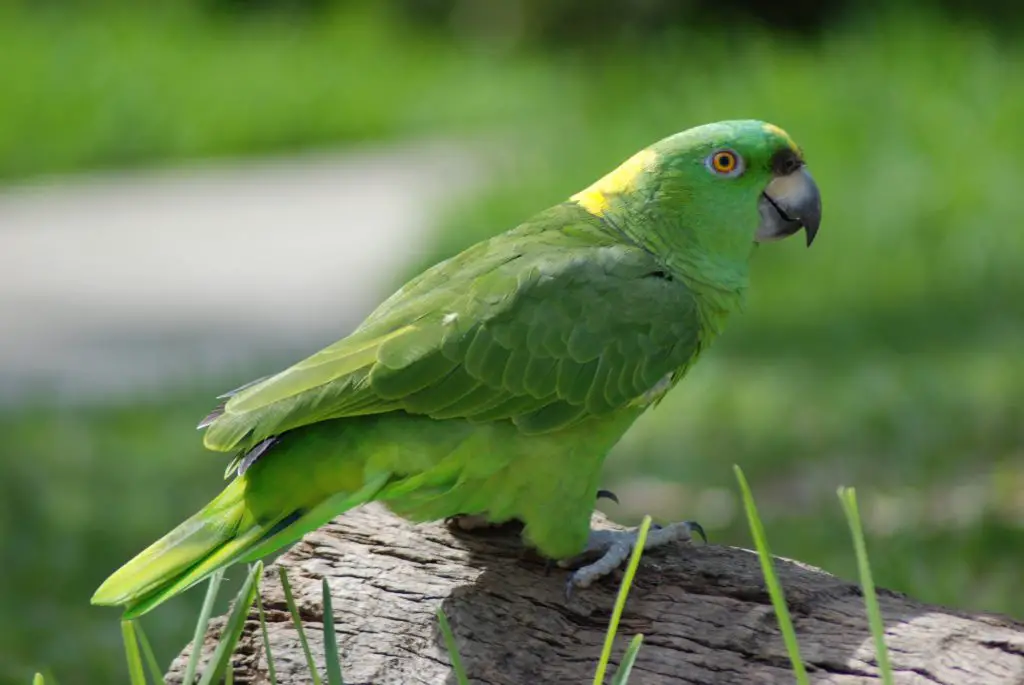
(492,385)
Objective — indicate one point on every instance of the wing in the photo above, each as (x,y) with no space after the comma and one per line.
(542,327)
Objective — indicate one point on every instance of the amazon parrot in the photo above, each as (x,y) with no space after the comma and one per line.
(493,384)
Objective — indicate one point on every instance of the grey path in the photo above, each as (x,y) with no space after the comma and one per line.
(128,282)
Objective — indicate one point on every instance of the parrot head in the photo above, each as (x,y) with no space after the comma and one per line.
(710,193)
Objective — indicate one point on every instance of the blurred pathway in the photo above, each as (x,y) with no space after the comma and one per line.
(125,282)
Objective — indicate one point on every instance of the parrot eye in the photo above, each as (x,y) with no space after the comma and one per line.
(724,163)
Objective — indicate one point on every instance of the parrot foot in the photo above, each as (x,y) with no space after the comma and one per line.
(467,522)
(471,522)
(615,546)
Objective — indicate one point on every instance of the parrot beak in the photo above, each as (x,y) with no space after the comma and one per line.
(789,203)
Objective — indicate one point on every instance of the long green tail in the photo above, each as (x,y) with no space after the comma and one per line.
(220,534)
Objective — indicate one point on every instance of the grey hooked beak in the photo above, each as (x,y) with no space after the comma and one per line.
(789,203)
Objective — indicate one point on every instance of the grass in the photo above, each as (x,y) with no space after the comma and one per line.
(848,498)
(220,662)
(452,647)
(775,591)
(620,600)
(122,86)
(219,667)
(332,658)
(886,357)
(297,620)
(204,619)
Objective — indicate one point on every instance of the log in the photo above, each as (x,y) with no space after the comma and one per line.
(703,609)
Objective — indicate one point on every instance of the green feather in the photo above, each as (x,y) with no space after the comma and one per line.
(494,382)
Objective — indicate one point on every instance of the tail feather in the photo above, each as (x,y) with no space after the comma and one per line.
(223,556)
(220,534)
(308,521)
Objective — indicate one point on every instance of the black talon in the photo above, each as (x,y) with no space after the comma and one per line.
(607,494)
(699,529)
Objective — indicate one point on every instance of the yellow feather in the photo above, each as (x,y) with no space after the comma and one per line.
(594,198)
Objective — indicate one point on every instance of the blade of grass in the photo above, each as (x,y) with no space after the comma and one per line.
(453,649)
(620,601)
(38,679)
(621,676)
(294,611)
(204,620)
(220,662)
(136,673)
(848,498)
(271,673)
(147,651)
(330,639)
(771,580)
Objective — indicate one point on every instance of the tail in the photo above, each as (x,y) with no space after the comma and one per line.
(220,534)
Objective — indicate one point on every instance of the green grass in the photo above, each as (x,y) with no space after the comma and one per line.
(219,665)
(213,587)
(620,600)
(137,649)
(116,87)
(771,580)
(452,647)
(289,600)
(331,657)
(848,499)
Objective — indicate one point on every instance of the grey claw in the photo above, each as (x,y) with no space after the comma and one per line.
(607,494)
(569,586)
(698,529)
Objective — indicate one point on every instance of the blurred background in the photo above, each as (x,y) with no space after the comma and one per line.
(194,194)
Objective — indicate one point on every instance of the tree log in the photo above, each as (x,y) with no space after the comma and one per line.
(703,609)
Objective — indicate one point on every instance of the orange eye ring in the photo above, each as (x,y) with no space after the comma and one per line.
(725,163)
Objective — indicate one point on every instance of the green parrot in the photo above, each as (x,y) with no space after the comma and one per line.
(493,384)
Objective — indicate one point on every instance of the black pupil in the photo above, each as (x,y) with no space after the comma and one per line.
(724,160)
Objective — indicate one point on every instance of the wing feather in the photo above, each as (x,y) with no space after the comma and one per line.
(539,326)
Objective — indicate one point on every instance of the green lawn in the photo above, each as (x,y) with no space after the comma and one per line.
(120,88)
(885,357)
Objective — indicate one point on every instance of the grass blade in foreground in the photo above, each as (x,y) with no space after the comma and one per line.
(220,662)
(453,650)
(848,498)
(38,679)
(330,639)
(136,673)
(297,620)
(628,659)
(204,620)
(155,671)
(271,673)
(620,601)
(771,580)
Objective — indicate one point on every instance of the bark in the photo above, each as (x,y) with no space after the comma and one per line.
(704,612)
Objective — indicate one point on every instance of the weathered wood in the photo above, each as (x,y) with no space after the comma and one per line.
(703,610)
